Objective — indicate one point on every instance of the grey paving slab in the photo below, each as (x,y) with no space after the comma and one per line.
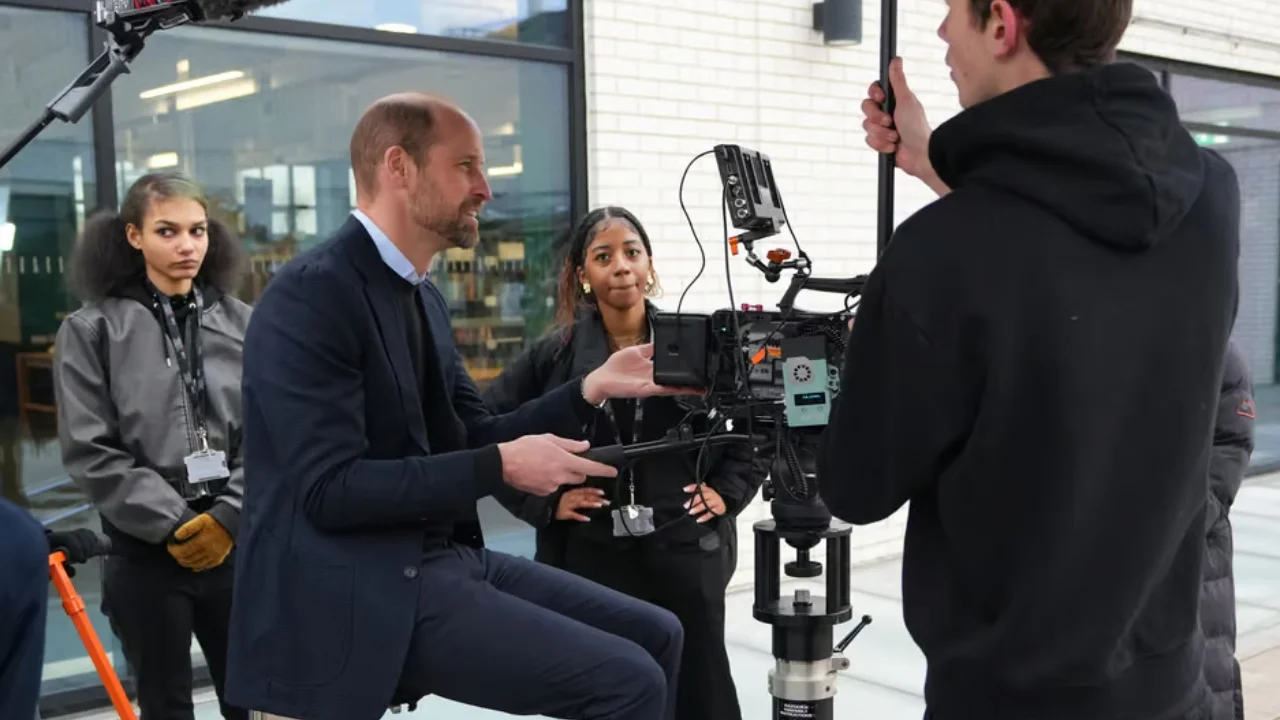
(1253,618)
(1259,496)
(1257,535)
(1258,579)
(883,579)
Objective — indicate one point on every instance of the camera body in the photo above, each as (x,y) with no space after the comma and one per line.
(765,367)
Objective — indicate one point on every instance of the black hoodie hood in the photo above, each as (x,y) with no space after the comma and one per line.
(1104,150)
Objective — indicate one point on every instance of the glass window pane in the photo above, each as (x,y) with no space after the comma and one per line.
(1257,164)
(1241,122)
(45,193)
(267,133)
(304,186)
(1207,104)
(542,22)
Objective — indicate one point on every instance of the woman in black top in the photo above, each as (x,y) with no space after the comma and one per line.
(686,564)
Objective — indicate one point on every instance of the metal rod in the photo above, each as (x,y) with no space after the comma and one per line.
(888,163)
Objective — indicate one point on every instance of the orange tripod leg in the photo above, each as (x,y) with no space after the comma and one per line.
(74,605)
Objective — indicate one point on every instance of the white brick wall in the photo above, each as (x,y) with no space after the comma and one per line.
(667,79)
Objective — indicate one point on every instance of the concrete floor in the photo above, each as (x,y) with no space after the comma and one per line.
(884,680)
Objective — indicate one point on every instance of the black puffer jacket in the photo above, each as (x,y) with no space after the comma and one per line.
(735,471)
(1232,447)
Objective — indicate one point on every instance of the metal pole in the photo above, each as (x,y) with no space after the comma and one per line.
(888,163)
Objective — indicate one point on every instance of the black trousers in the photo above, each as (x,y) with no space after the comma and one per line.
(155,605)
(690,582)
(511,635)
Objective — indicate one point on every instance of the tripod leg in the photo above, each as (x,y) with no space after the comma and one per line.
(74,605)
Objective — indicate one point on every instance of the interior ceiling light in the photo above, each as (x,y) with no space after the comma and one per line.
(192,84)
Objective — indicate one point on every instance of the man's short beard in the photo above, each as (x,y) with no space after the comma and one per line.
(458,232)
(453,227)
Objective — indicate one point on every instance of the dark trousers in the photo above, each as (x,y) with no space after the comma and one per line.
(511,635)
(24,603)
(690,582)
(155,605)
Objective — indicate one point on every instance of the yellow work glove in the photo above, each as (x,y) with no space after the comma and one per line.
(201,543)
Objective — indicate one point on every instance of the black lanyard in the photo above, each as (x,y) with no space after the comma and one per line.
(635,422)
(635,438)
(190,363)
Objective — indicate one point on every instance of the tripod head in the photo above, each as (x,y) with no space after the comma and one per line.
(800,517)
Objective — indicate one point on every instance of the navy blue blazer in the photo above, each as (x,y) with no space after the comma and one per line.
(340,480)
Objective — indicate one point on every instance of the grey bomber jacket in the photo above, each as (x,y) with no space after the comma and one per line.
(124,416)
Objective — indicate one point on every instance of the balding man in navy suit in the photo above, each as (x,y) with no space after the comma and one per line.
(362,577)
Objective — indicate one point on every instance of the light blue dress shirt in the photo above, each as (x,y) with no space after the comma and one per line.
(391,254)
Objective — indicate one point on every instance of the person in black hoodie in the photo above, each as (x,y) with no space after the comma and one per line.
(1034,367)
(147,381)
(685,566)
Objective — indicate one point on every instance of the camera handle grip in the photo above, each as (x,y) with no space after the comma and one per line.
(612,455)
(618,455)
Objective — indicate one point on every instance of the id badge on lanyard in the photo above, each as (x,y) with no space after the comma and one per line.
(632,519)
(205,465)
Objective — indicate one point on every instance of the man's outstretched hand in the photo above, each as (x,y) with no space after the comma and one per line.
(628,373)
(540,464)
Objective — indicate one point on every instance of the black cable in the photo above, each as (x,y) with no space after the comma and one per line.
(741,355)
(618,486)
(699,475)
(694,231)
(679,306)
(782,205)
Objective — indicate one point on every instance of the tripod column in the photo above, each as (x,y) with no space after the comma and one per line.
(803,682)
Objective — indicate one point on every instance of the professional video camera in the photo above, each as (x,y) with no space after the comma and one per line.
(772,369)
(776,371)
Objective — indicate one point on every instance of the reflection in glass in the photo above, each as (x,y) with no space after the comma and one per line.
(45,193)
(1206,104)
(1241,122)
(542,22)
(264,123)
(1257,165)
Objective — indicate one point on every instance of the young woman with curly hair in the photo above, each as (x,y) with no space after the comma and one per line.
(148,391)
